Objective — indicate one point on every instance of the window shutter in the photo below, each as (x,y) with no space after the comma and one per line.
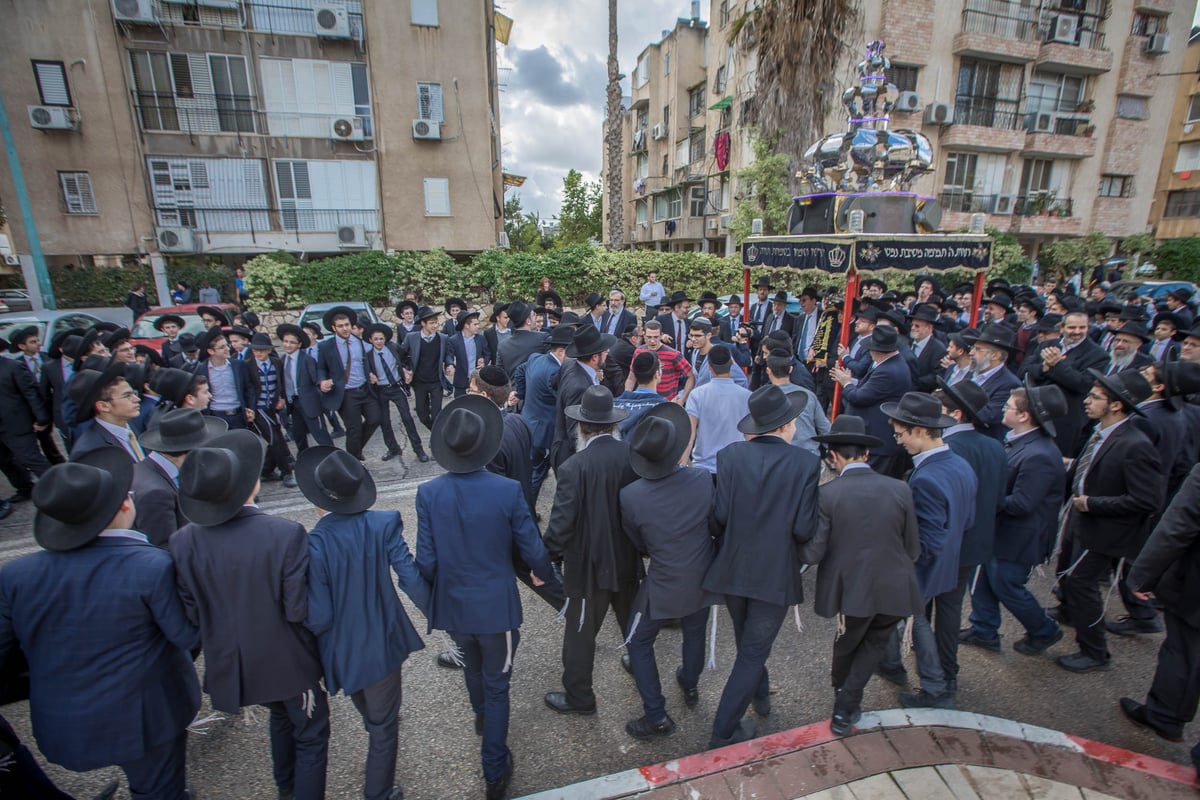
(429,102)
(77,193)
(425,12)
(52,83)
(181,73)
(437,197)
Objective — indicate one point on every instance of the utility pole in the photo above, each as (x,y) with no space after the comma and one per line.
(612,139)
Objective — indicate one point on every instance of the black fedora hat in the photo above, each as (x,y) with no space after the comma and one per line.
(1183,295)
(467,434)
(734,300)
(1046,404)
(658,441)
(85,387)
(996,284)
(1033,302)
(1172,319)
(337,311)
(518,313)
(216,480)
(562,335)
(20,337)
(711,297)
(149,354)
(678,297)
(261,341)
(868,312)
(918,409)
(453,301)
(213,312)
(1135,329)
(883,340)
(56,344)
(764,282)
(1109,307)
(875,282)
(172,384)
(963,288)
(250,320)
(849,429)
(317,333)
(295,330)
(165,318)
(403,304)
(182,430)
(967,396)
(76,501)
(496,309)
(998,335)
(925,312)
(770,409)
(106,326)
(589,341)
(137,374)
(569,318)
(1134,314)
(78,351)
(206,340)
(425,312)
(334,480)
(1128,386)
(1178,378)
(378,327)
(1048,323)
(780,297)
(592,300)
(188,343)
(463,316)
(549,296)
(1001,298)
(596,407)
(240,330)
(113,339)
(933,282)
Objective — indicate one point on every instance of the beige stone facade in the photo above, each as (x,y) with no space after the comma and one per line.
(227,128)
(1176,209)
(1043,116)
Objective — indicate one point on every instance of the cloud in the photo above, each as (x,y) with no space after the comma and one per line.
(562,82)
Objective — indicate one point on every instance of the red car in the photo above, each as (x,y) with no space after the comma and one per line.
(145,333)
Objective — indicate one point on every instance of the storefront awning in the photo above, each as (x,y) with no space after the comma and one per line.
(722,104)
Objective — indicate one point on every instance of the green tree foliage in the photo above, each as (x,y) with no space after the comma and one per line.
(1179,259)
(765,183)
(1137,245)
(1063,256)
(579,219)
(1008,258)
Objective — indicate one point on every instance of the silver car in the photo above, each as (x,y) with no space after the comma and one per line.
(49,323)
(16,300)
(316,311)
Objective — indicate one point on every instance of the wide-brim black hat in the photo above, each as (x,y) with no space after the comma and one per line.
(1178,378)
(165,318)
(205,340)
(764,281)
(378,327)
(113,339)
(85,345)
(710,297)
(56,344)
(261,341)
(172,384)
(770,409)
(453,301)
(150,354)
(925,312)
(1171,318)
(1048,324)
(849,429)
(1134,329)
(592,300)
(467,434)
(969,405)
(549,295)
(1002,299)
(596,407)
(106,327)
(334,480)
(588,341)
(1122,385)
(213,312)
(463,316)
(75,501)
(425,312)
(182,430)
(216,480)
(518,313)
(919,279)
(21,336)
(496,309)
(403,304)
(875,282)
(1046,403)
(677,298)
(998,335)
(780,297)
(918,409)
(85,387)
(250,320)
(658,440)
(294,330)
(337,311)
(883,340)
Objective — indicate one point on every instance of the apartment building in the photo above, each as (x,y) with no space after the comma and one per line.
(227,128)
(1176,209)
(1043,116)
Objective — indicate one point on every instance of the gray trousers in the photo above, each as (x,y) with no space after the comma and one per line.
(379,705)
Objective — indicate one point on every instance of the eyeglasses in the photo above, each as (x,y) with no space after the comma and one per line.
(898,435)
(1097,396)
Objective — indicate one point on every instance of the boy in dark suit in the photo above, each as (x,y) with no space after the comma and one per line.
(305,402)
(154,478)
(393,391)
(425,360)
(344,373)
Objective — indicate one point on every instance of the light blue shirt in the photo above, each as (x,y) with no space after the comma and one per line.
(167,467)
(591,373)
(358,374)
(811,422)
(652,293)
(704,372)
(224,389)
(919,457)
(383,358)
(469,345)
(717,406)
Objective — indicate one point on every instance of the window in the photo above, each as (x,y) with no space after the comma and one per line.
(181,71)
(666,61)
(1193,114)
(429,102)
(1148,25)
(723,13)
(302,96)
(1131,107)
(719,83)
(667,205)
(1038,176)
(643,118)
(904,77)
(643,73)
(725,192)
(667,116)
(682,154)
(193,92)
(697,201)
(1188,158)
(216,194)
(77,192)
(1116,185)
(51,77)
(1185,203)
(643,165)
(437,197)
(960,172)
(1053,92)
(696,150)
(425,12)
(988,94)
(642,211)
(231,90)
(696,101)
(155,91)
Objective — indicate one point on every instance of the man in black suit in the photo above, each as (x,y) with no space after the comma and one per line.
(109,402)
(1125,352)
(617,317)
(305,402)
(344,373)
(426,360)
(778,319)
(468,350)
(392,391)
(761,306)
(676,323)
(154,478)
(586,356)
(497,331)
(601,566)
(264,373)
(887,380)
(23,415)
(927,348)
(27,343)
(1067,366)
(989,356)
(1116,485)
(518,346)
(766,507)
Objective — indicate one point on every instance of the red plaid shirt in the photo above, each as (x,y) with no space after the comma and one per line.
(675,369)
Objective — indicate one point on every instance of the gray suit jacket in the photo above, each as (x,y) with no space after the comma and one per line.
(156,499)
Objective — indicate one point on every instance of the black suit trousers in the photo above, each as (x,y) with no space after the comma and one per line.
(1084,603)
(279,456)
(857,652)
(947,622)
(395,396)
(49,445)
(428,402)
(1175,692)
(584,619)
(27,452)
(301,426)
(360,413)
(18,476)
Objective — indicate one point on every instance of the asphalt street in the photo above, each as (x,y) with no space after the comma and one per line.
(439,753)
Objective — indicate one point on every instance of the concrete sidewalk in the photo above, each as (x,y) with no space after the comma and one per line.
(920,754)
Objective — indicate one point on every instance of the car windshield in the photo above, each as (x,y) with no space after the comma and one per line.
(145,327)
(9,326)
(317,315)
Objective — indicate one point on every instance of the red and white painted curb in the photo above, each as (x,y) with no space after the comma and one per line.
(645,779)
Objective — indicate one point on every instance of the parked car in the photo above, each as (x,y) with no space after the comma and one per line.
(15,300)
(49,323)
(315,312)
(145,333)
(1157,290)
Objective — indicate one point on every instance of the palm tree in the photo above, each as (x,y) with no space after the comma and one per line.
(612,138)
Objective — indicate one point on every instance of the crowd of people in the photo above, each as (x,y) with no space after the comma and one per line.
(695,467)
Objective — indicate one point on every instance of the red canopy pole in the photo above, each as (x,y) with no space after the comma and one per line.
(977,298)
(848,307)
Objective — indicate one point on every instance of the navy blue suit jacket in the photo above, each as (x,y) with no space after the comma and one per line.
(943,487)
(310,397)
(886,383)
(107,643)
(541,379)
(468,526)
(93,437)
(988,461)
(998,388)
(331,367)
(456,352)
(1033,490)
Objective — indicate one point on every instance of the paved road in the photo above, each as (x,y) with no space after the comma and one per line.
(439,755)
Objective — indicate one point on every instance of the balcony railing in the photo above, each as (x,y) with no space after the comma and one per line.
(1041,204)
(967,202)
(217,113)
(986,112)
(999,18)
(263,220)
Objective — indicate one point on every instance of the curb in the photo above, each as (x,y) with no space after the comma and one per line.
(644,779)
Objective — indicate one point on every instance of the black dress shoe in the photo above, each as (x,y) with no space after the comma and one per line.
(899,677)
(645,728)
(422,456)
(397,794)
(1128,626)
(744,731)
(691,697)
(1036,645)
(626,664)
(448,661)
(841,723)
(289,481)
(971,636)
(1081,662)
(559,702)
(498,789)
(1136,712)
(391,454)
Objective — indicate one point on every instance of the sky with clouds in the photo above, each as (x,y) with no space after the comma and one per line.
(553,77)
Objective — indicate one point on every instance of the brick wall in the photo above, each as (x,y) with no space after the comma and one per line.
(908,30)
(1123,152)
(1139,70)
(1113,217)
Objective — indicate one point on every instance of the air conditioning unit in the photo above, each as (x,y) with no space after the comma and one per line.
(346,129)
(176,240)
(332,21)
(726,220)
(908,101)
(1158,44)
(938,114)
(53,118)
(1064,28)
(659,131)
(350,236)
(1043,123)
(12,261)
(140,12)
(427,129)
(712,224)
(1003,205)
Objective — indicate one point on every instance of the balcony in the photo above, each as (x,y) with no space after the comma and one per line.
(260,222)
(998,31)
(240,114)
(1080,52)
(1050,135)
(984,125)
(1044,213)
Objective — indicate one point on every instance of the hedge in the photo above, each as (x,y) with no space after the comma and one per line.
(88,286)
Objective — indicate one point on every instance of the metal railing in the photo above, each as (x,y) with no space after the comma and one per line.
(217,113)
(287,217)
(967,202)
(999,18)
(1039,204)
(987,112)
